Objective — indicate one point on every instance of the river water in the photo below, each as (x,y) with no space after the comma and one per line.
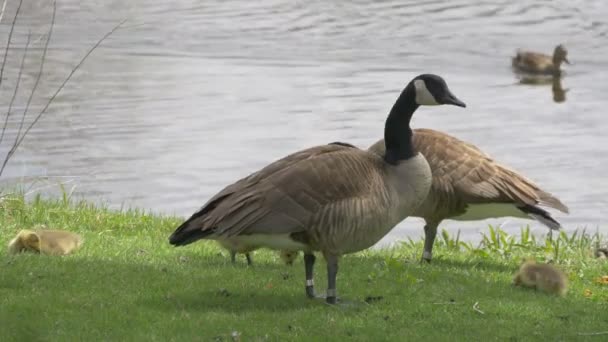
(189,96)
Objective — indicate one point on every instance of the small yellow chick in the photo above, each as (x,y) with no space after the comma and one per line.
(544,277)
(289,257)
(45,241)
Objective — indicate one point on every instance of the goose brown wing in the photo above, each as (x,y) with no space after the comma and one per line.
(463,174)
(283,196)
(272,168)
(288,201)
(471,176)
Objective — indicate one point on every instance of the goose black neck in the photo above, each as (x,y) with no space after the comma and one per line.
(397,131)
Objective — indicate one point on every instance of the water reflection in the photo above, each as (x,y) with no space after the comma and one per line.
(557,90)
(192,95)
(559,93)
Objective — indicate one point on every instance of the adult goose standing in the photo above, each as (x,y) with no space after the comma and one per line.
(327,198)
(469,185)
(538,63)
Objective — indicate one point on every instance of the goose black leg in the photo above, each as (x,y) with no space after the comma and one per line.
(309,263)
(233,257)
(430,232)
(249,261)
(332,272)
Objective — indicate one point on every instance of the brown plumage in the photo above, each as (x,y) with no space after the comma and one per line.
(469,185)
(304,198)
(543,277)
(45,241)
(333,198)
(538,63)
(235,246)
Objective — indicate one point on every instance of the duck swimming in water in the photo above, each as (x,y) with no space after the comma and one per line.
(539,63)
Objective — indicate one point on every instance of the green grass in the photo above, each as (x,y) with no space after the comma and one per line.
(128,283)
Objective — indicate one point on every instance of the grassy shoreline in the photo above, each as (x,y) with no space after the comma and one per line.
(128,283)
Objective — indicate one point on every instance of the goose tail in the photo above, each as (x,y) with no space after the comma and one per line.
(187,233)
(541,216)
(551,201)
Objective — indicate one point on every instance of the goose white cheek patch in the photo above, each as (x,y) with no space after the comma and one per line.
(423,95)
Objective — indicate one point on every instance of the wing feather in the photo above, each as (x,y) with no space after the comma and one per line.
(463,174)
(284,196)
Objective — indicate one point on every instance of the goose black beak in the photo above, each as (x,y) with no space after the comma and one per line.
(453,100)
(566,60)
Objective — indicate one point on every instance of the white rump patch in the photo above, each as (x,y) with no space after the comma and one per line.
(423,95)
(485,211)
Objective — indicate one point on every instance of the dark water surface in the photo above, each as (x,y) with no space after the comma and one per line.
(192,95)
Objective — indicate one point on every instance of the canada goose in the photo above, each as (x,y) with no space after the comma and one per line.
(468,185)
(329,198)
(538,63)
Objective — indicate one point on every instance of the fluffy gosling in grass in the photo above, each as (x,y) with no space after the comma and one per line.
(543,277)
(601,253)
(288,257)
(235,247)
(45,241)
